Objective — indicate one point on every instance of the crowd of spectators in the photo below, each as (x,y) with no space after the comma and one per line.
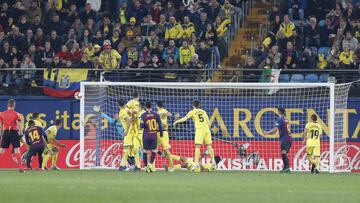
(116,34)
(311,34)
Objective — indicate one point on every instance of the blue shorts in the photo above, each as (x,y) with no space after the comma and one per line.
(150,143)
(285,145)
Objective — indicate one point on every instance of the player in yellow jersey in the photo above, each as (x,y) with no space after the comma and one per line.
(52,149)
(202,131)
(312,134)
(137,140)
(164,140)
(36,119)
(124,117)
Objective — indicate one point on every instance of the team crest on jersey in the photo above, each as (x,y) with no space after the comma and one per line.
(64,81)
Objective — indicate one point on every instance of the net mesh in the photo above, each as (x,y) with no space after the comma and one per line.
(239,115)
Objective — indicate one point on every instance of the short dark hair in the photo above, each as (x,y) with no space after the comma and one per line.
(148,104)
(135,94)
(314,117)
(31,123)
(196,103)
(121,102)
(35,115)
(217,159)
(58,122)
(281,111)
(11,103)
(159,104)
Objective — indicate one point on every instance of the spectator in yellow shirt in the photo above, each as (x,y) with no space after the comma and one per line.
(109,58)
(89,51)
(188,27)
(287,26)
(174,30)
(186,52)
(346,58)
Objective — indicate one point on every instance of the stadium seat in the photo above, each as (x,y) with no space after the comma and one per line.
(284,78)
(314,50)
(324,50)
(297,78)
(322,23)
(311,78)
(324,78)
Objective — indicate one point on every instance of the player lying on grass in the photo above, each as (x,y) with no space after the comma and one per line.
(151,123)
(53,148)
(282,125)
(202,131)
(37,139)
(184,162)
(312,134)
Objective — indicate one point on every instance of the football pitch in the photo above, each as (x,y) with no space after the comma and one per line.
(98,186)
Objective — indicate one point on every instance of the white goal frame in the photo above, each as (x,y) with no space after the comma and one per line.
(191,85)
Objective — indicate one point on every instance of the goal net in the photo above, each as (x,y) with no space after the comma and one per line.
(239,114)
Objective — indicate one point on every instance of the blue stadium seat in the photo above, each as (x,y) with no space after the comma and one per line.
(324,50)
(284,78)
(322,23)
(297,78)
(314,50)
(324,78)
(311,78)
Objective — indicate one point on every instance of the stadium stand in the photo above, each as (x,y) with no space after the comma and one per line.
(211,40)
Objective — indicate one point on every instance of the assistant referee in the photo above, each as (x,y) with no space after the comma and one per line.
(11,129)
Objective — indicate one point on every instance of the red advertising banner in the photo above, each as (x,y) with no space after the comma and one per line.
(347,155)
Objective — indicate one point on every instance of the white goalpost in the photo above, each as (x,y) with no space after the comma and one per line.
(239,114)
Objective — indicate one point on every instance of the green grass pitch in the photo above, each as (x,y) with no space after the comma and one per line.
(98,186)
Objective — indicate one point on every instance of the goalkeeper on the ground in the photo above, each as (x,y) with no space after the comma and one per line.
(53,148)
(187,163)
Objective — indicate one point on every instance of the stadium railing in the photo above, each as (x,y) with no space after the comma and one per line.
(34,77)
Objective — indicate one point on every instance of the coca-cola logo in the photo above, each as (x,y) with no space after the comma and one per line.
(109,157)
(347,157)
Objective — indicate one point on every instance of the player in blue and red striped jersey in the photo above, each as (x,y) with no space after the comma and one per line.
(151,123)
(282,125)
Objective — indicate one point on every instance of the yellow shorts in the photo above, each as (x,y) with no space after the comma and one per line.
(313,151)
(128,139)
(137,140)
(203,136)
(164,141)
(53,148)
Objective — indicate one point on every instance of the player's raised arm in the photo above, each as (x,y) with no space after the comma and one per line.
(181,120)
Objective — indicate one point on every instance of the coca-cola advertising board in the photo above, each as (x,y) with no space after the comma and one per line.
(347,155)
